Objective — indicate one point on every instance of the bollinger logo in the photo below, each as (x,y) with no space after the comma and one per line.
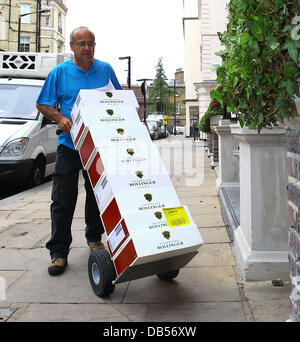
(120,131)
(139,174)
(110,112)
(158,215)
(166,234)
(148,197)
(130,151)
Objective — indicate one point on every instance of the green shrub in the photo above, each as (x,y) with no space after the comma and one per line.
(259,74)
(214,108)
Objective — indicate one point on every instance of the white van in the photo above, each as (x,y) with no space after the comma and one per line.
(27,138)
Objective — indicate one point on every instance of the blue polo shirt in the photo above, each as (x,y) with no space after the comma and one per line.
(64,83)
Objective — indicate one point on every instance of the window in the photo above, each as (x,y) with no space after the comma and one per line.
(25,44)
(46,21)
(59,23)
(25,8)
(18,101)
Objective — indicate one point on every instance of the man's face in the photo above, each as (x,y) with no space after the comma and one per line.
(83,47)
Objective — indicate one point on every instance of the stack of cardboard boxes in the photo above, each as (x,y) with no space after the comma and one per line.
(139,207)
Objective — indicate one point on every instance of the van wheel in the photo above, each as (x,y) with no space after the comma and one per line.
(37,173)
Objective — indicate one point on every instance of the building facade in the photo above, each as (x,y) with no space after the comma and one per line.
(213,18)
(32,25)
(177,102)
(192,49)
(202,20)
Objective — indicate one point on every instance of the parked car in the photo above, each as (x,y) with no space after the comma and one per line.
(179,129)
(27,138)
(156,129)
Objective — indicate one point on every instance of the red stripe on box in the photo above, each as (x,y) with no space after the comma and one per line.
(111,216)
(86,149)
(125,258)
(79,134)
(96,169)
(120,244)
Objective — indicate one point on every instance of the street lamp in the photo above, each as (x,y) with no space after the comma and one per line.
(143,89)
(19,24)
(129,70)
(175,106)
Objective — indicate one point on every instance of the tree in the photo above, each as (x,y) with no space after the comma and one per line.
(160,89)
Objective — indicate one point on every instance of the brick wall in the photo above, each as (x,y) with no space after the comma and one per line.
(293,189)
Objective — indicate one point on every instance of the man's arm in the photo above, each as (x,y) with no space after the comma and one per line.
(53,114)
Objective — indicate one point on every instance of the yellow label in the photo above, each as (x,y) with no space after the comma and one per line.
(165,117)
(165,122)
(176,216)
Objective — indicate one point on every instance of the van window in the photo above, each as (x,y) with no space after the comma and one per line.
(18,101)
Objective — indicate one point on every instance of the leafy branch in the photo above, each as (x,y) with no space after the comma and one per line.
(259,74)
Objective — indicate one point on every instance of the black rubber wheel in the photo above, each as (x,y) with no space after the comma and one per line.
(168,276)
(101,272)
(37,173)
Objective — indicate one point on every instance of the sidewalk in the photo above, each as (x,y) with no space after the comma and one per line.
(208,289)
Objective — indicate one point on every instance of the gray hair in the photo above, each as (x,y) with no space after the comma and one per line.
(77,28)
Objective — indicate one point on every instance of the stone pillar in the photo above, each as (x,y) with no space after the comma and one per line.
(293,173)
(215,151)
(214,121)
(228,161)
(209,144)
(261,240)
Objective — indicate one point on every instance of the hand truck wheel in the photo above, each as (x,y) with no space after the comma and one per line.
(101,272)
(168,276)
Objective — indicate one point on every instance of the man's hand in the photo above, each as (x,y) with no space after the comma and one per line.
(53,114)
(65,124)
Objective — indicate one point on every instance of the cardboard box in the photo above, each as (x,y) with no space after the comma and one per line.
(135,202)
(124,159)
(96,97)
(122,126)
(140,239)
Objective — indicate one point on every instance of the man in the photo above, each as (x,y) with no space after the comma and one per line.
(62,86)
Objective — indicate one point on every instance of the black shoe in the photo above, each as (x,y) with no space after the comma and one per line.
(57,266)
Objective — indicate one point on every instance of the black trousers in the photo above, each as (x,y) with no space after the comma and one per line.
(64,198)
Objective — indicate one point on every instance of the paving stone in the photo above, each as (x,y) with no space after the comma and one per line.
(197,312)
(193,284)
(5,313)
(197,200)
(214,235)
(73,286)
(208,220)
(24,235)
(84,313)
(265,291)
(204,209)
(10,276)
(216,254)
(272,311)
(7,223)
